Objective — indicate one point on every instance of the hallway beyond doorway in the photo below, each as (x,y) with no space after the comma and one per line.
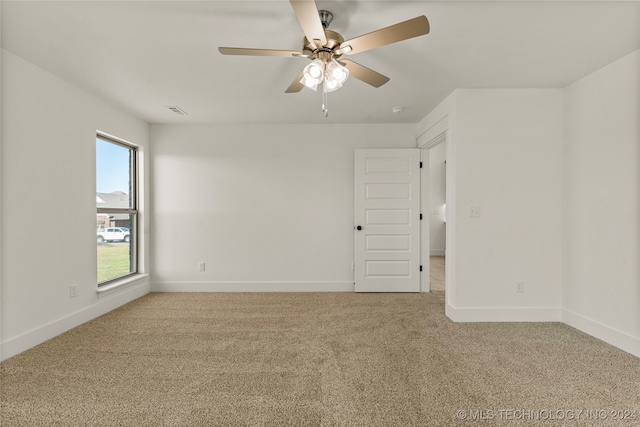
(436,273)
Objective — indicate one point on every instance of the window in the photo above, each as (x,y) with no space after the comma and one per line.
(117,209)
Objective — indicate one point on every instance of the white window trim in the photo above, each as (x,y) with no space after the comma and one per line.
(137,275)
(126,282)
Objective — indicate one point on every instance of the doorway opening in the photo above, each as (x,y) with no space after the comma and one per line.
(437,216)
(437,205)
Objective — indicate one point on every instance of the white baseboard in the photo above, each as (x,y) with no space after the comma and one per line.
(104,305)
(253,287)
(616,338)
(610,335)
(500,314)
(437,252)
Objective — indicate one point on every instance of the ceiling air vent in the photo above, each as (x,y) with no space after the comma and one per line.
(177,110)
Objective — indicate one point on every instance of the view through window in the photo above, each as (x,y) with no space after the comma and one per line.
(116,205)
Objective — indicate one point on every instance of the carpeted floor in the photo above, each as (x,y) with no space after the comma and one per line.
(307,359)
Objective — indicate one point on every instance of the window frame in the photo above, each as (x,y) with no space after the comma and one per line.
(133,210)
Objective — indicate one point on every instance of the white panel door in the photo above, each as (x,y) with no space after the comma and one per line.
(387,220)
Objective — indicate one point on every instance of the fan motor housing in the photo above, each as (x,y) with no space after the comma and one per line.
(334,40)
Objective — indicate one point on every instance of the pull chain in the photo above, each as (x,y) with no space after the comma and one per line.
(325,106)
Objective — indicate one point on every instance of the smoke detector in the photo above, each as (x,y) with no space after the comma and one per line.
(397,110)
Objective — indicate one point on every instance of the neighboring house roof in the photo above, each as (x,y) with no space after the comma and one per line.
(115,199)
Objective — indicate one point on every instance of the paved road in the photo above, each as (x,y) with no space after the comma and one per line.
(116,243)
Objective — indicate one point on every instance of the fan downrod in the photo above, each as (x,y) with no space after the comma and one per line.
(325,17)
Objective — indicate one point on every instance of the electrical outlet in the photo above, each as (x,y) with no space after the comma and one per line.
(474,211)
(519,287)
(73,291)
(201,266)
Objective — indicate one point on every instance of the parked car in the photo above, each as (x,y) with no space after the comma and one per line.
(114,234)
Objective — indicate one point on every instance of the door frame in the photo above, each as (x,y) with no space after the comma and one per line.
(437,134)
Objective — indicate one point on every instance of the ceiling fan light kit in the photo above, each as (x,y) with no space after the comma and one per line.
(313,74)
(323,47)
(325,71)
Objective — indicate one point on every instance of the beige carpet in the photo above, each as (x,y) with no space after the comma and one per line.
(436,273)
(314,360)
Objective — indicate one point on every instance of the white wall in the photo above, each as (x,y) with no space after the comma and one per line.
(48,204)
(504,155)
(437,198)
(509,163)
(601,207)
(443,112)
(266,207)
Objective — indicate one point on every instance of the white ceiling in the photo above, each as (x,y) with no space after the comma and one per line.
(143,56)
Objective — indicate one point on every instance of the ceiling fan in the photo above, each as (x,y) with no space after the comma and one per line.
(325,48)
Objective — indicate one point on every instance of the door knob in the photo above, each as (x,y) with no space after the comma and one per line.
(359,228)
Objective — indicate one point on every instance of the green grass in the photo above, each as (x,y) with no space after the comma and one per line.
(113,262)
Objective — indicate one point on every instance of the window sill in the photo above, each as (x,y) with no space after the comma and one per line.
(124,283)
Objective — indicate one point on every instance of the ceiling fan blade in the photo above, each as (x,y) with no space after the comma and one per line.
(296,86)
(363,73)
(404,30)
(258,52)
(307,14)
